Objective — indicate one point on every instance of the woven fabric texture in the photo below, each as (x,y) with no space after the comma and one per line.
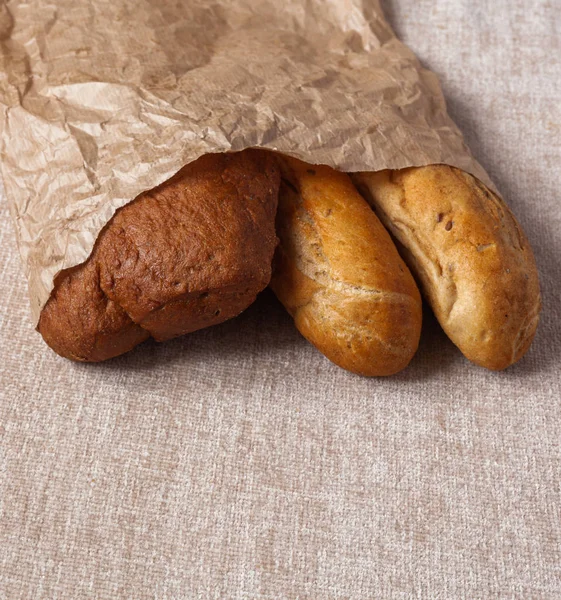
(238,463)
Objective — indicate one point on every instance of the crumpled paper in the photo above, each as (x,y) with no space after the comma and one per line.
(101,100)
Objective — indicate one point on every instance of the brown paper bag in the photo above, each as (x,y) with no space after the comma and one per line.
(103,99)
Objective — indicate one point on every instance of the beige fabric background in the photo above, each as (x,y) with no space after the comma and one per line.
(238,463)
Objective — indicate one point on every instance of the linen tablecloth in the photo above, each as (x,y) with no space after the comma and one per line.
(237,462)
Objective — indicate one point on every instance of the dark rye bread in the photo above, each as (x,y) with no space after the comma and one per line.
(188,254)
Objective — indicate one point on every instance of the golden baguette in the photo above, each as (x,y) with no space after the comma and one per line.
(339,274)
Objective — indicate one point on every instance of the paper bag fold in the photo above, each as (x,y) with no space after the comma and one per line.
(101,100)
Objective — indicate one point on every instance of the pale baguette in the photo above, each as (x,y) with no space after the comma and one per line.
(469,254)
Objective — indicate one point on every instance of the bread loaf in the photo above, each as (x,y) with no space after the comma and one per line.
(340,276)
(190,253)
(470,255)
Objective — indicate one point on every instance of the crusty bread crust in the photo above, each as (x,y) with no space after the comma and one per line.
(340,276)
(188,254)
(470,255)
